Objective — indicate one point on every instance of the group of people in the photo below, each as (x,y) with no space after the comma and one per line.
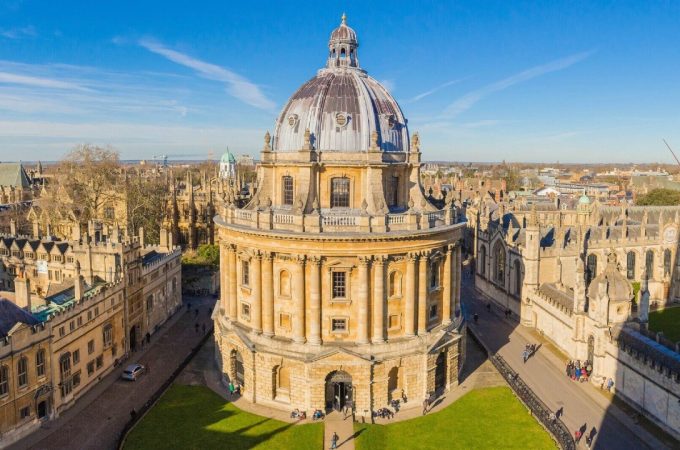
(529,351)
(579,370)
(234,389)
(590,437)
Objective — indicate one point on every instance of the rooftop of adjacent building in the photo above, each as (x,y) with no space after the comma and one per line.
(14,174)
(11,315)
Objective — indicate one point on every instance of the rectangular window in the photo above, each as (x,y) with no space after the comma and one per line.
(245,310)
(433,311)
(72,325)
(340,192)
(25,412)
(108,335)
(76,356)
(90,368)
(22,367)
(100,361)
(149,303)
(245,273)
(392,191)
(90,347)
(62,331)
(79,321)
(4,380)
(89,315)
(339,325)
(287,182)
(76,380)
(339,284)
(65,366)
(40,363)
(66,387)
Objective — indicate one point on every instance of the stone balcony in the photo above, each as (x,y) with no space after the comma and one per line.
(336,221)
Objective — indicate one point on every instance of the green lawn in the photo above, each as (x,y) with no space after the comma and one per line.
(668,321)
(194,417)
(483,418)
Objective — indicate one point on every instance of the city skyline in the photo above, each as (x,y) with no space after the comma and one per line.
(589,83)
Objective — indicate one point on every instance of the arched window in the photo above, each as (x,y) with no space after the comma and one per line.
(630,265)
(65,365)
(22,371)
(434,274)
(518,277)
(649,264)
(4,380)
(395,284)
(482,261)
(591,268)
(499,263)
(340,192)
(393,379)
(281,382)
(287,189)
(343,53)
(667,262)
(284,283)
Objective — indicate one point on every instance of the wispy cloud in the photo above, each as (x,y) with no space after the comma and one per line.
(481,123)
(27,80)
(422,95)
(470,99)
(389,84)
(237,86)
(18,33)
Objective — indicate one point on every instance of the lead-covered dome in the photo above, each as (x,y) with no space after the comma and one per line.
(342,106)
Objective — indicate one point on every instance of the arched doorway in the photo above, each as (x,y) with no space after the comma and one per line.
(440,373)
(591,348)
(339,391)
(237,367)
(42,409)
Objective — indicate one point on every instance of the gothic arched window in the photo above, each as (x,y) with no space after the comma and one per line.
(649,264)
(667,262)
(499,263)
(630,265)
(482,261)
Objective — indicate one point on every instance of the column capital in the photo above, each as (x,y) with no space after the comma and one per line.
(380,260)
(412,256)
(364,260)
(267,256)
(299,258)
(230,247)
(315,260)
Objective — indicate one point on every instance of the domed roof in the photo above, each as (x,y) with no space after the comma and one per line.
(228,157)
(341,106)
(584,200)
(617,287)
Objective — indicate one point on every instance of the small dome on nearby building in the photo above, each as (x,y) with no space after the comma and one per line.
(584,200)
(228,157)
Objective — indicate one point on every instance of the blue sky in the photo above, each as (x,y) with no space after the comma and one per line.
(482,81)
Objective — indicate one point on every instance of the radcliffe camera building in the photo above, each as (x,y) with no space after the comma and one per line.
(340,280)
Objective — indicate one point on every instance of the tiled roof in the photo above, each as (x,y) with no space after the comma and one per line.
(13,174)
(11,314)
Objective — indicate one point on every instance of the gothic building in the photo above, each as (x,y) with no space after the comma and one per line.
(340,280)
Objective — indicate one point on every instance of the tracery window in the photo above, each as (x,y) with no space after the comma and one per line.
(591,268)
(667,262)
(630,265)
(340,192)
(499,260)
(649,264)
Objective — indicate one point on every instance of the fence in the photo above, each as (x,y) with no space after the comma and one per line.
(160,391)
(538,409)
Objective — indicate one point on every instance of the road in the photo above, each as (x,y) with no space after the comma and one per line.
(97,418)
(545,375)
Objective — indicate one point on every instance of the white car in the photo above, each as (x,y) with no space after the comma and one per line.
(133,371)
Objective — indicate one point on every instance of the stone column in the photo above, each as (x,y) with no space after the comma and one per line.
(410,294)
(267,295)
(256,294)
(422,294)
(448,287)
(456,276)
(378,300)
(233,283)
(362,292)
(224,279)
(299,301)
(315,300)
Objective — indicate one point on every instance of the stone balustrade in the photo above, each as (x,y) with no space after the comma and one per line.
(350,222)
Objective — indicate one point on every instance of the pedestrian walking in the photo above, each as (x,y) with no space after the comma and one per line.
(334,440)
(426,403)
(476,317)
(231,388)
(577,436)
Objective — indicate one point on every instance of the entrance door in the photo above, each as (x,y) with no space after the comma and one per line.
(440,373)
(339,391)
(42,409)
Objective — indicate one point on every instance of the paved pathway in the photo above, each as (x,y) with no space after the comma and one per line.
(544,373)
(98,417)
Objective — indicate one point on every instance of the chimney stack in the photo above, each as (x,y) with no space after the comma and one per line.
(13,227)
(141,236)
(22,291)
(79,284)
